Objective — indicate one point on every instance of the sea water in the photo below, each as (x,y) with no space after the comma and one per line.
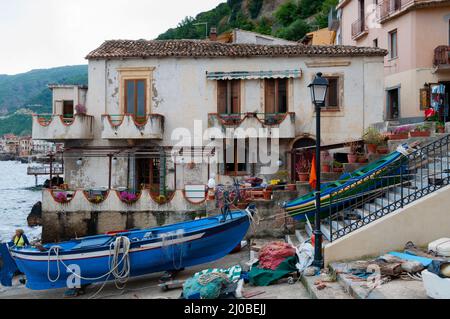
(17,197)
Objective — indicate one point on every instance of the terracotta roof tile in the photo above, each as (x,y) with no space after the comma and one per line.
(198,48)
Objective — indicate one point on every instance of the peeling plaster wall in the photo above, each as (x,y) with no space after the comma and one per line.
(181,93)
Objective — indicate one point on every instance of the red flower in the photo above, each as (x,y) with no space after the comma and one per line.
(430,113)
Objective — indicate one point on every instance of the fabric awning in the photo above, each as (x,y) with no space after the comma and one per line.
(254,75)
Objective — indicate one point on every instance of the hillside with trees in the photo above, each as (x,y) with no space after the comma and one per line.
(288,19)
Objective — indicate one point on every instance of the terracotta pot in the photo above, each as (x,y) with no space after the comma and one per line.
(352,158)
(420,134)
(383,151)
(326,168)
(291,187)
(441,130)
(372,148)
(303,177)
(362,160)
(397,137)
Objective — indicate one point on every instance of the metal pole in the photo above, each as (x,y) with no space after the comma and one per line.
(110,172)
(318,258)
(51,171)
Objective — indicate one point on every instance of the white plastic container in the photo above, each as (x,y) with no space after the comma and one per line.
(436,287)
(441,247)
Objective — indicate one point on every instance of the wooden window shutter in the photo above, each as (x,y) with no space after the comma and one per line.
(235,96)
(269,92)
(333,92)
(222,97)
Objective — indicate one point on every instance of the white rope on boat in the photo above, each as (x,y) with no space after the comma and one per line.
(121,246)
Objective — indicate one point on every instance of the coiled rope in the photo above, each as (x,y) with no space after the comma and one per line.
(119,267)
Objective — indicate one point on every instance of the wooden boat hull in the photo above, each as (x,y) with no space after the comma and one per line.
(155,250)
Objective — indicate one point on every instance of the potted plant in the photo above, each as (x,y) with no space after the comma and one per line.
(421,131)
(128,197)
(61,198)
(326,160)
(440,127)
(338,167)
(80,109)
(373,138)
(383,150)
(353,155)
(400,133)
(303,168)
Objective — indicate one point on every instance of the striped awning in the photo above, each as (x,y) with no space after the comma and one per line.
(254,75)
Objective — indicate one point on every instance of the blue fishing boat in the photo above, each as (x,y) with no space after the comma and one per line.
(128,254)
(350,187)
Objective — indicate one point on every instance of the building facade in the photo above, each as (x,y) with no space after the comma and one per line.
(417,35)
(164,117)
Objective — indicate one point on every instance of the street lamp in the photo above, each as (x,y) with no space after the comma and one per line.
(319,90)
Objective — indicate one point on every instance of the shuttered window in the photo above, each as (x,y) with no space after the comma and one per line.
(275,95)
(333,93)
(135,97)
(228,96)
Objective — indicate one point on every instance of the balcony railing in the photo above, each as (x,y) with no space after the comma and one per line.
(284,122)
(358,28)
(389,8)
(130,127)
(442,56)
(52,127)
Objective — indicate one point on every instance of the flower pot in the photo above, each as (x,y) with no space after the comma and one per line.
(383,151)
(399,136)
(440,130)
(303,177)
(352,158)
(291,187)
(362,160)
(420,134)
(372,148)
(338,170)
(326,168)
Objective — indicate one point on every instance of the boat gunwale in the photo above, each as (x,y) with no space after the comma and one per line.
(292,206)
(27,251)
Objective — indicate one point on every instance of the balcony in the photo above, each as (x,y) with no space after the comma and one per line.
(389,9)
(58,128)
(130,127)
(255,124)
(442,58)
(359,29)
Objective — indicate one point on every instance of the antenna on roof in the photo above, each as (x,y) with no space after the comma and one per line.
(206,27)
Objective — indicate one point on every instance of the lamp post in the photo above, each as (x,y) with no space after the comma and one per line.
(319,90)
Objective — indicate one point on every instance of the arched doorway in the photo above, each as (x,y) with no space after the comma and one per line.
(302,155)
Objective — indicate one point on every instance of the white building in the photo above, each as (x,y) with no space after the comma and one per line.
(142,94)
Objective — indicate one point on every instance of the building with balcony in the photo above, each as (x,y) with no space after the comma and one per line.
(417,35)
(160,118)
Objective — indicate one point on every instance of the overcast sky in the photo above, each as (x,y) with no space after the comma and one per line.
(48,33)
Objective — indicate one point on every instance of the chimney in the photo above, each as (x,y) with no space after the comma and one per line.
(213,34)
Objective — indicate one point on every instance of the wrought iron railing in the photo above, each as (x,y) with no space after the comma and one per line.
(358,27)
(442,55)
(405,181)
(387,8)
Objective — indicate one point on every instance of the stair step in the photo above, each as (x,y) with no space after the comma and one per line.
(325,231)
(372,208)
(361,212)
